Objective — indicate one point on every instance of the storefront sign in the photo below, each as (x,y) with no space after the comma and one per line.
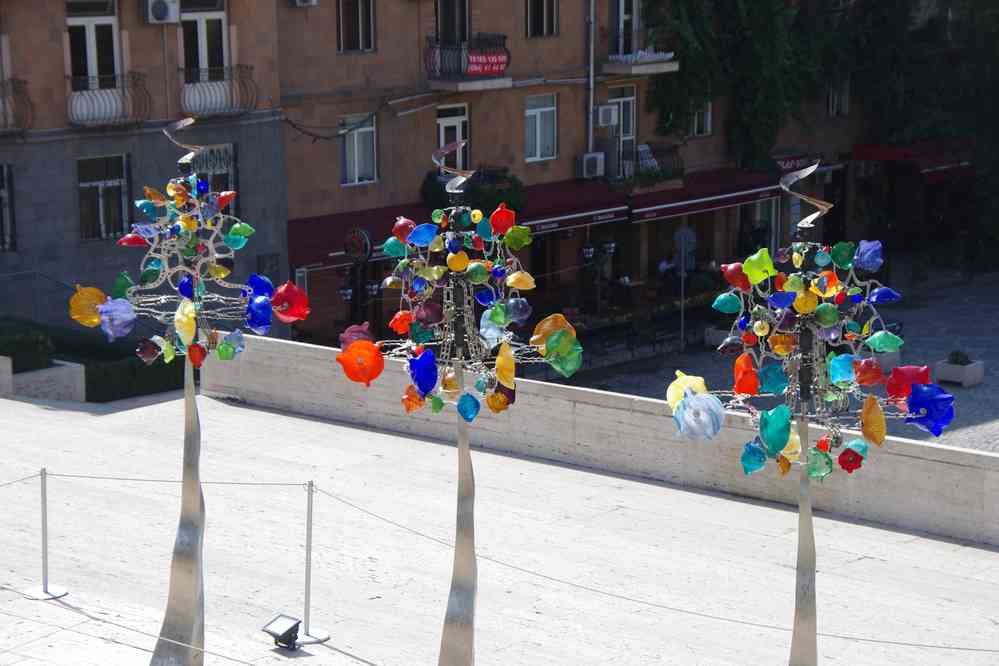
(579,220)
(797,162)
(487,63)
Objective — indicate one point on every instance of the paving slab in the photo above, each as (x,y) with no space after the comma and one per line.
(576,567)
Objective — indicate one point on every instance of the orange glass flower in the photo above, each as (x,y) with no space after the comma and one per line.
(362,362)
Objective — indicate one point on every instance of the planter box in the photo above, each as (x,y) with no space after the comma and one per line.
(965,375)
(63,381)
(714,336)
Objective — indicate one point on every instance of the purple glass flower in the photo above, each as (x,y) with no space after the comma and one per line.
(354,333)
(869,256)
(930,408)
(117,318)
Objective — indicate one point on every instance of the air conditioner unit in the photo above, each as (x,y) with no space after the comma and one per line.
(158,12)
(590,165)
(607,115)
(304,3)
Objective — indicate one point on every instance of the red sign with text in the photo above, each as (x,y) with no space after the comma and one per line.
(487,64)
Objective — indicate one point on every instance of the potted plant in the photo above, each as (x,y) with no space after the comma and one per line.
(960,369)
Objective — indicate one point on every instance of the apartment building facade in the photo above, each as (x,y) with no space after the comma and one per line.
(86,86)
(372,87)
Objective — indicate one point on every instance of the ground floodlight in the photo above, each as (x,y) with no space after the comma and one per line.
(284,630)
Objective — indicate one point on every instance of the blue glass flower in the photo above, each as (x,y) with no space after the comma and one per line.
(423,372)
(699,415)
(518,310)
(203,186)
(485,297)
(117,318)
(781,299)
(883,295)
(841,369)
(185,287)
(498,272)
(261,285)
(743,322)
(930,408)
(148,208)
(422,235)
(754,457)
(454,245)
(869,256)
(490,333)
(258,314)
(468,406)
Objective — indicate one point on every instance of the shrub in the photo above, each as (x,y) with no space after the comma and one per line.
(958,357)
(130,377)
(29,350)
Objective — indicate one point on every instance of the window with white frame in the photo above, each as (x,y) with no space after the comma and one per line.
(624,97)
(206,40)
(452,126)
(8,239)
(542,18)
(700,121)
(93,45)
(540,128)
(358,155)
(838,99)
(624,19)
(103,191)
(355,28)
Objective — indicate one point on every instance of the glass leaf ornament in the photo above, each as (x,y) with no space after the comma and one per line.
(872,421)
(189,241)
(727,303)
(901,379)
(759,266)
(753,458)
(775,428)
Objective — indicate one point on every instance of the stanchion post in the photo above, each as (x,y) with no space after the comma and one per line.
(309,637)
(45,592)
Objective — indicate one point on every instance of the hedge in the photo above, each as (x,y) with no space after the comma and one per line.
(130,377)
(29,350)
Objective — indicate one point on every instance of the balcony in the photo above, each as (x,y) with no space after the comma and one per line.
(16,111)
(640,54)
(108,101)
(478,64)
(218,91)
(653,168)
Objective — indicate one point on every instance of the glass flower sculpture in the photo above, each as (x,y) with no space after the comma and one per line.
(190,243)
(805,337)
(461,294)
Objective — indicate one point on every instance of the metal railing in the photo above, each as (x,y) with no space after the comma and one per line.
(219,91)
(16,111)
(658,163)
(102,101)
(484,56)
(648,40)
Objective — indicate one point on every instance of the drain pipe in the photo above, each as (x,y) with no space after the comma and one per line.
(589,115)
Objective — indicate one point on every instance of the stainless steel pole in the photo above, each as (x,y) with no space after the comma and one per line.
(683,292)
(804,649)
(308,559)
(43,475)
(45,592)
(309,638)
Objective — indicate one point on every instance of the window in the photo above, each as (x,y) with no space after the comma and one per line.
(838,100)
(206,40)
(624,19)
(542,18)
(452,126)
(700,121)
(451,22)
(623,98)
(217,165)
(93,45)
(355,30)
(8,240)
(103,196)
(358,153)
(540,130)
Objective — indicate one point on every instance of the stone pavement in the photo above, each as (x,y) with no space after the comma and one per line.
(936,322)
(578,568)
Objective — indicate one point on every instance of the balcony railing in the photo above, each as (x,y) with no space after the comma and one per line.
(651,164)
(642,52)
(16,111)
(104,101)
(484,56)
(218,91)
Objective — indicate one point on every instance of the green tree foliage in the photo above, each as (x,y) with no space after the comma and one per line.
(761,56)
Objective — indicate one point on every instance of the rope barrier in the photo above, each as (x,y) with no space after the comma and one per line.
(645,602)
(10,483)
(204,483)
